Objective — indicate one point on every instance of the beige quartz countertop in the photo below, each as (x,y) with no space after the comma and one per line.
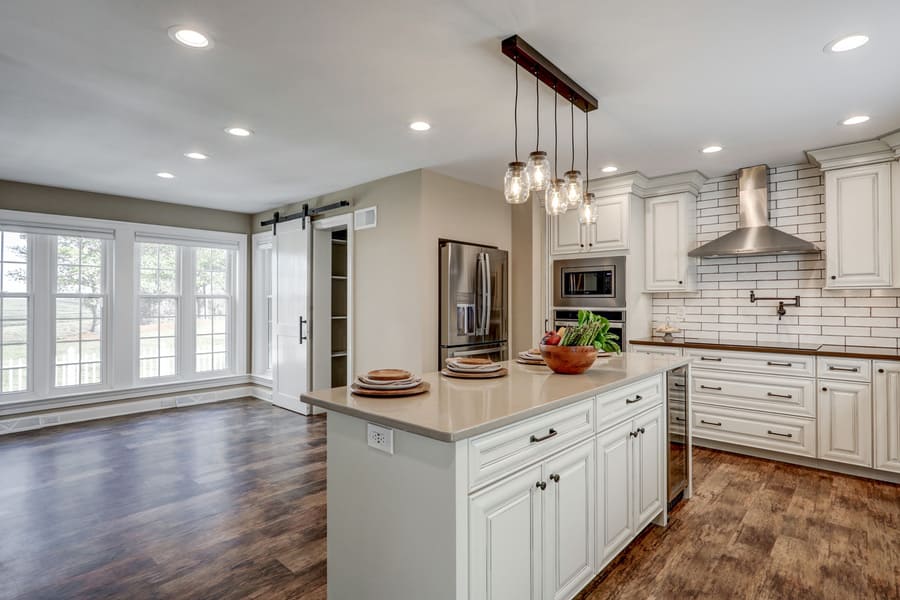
(455,409)
(865,352)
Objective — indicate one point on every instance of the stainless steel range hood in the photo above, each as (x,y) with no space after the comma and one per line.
(754,236)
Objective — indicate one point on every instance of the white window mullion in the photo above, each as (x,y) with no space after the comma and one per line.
(188,311)
(121,347)
(42,331)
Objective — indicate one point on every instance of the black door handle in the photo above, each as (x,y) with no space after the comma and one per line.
(535,439)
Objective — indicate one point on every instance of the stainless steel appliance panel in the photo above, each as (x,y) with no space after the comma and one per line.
(497,296)
(677,402)
(589,282)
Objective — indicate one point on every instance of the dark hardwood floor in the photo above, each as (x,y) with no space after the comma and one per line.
(228,501)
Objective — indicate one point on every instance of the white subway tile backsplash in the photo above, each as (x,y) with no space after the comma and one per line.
(721,310)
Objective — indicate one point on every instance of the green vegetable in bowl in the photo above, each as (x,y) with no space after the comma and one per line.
(592,330)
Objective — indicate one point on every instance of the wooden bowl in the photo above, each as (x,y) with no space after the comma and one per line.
(569,360)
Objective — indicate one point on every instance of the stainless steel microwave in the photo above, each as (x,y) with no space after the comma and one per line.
(589,282)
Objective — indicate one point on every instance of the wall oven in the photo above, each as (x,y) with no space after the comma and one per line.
(589,282)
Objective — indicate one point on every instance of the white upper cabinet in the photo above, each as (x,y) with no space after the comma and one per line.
(858,243)
(567,235)
(609,233)
(670,225)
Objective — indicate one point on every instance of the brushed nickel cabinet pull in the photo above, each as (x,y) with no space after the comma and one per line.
(771,395)
(535,439)
(710,423)
(711,387)
(844,369)
(713,359)
(775,363)
(787,435)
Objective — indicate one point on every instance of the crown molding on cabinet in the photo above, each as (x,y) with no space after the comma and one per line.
(688,182)
(893,140)
(855,155)
(626,183)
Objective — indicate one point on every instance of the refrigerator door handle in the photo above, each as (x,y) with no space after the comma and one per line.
(488,293)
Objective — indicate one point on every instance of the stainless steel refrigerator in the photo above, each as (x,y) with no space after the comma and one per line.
(474,301)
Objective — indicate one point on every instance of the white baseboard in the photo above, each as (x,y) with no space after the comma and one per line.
(26,422)
(814,463)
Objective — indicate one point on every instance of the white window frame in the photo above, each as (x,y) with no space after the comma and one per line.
(261,242)
(179,318)
(229,299)
(120,364)
(29,330)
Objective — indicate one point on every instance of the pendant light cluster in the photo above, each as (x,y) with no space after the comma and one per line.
(538,177)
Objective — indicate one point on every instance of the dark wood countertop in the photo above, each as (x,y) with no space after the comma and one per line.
(866,352)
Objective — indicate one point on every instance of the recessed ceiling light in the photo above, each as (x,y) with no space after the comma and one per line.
(165,175)
(239,131)
(711,149)
(855,120)
(196,155)
(610,169)
(419,126)
(850,42)
(190,37)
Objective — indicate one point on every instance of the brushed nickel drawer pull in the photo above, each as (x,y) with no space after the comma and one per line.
(710,423)
(787,435)
(844,369)
(535,439)
(788,396)
(711,387)
(775,363)
(637,398)
(713,359)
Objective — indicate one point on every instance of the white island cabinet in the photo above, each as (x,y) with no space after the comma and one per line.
(522,487)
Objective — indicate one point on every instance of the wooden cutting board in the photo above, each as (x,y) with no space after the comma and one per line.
(492,375)
(419,389)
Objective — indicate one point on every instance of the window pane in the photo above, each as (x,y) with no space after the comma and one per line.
(166,367)
(91,252)
(149,347)
(149,367)
(14,308)
(167,346)
(15,278)
(90,373)
(67,250)
(149,283)
(14,332)
(15,247)
(14,311)
(79,341)
(204,362)
(14,380)
(168,282)
(90,280)
(14,355)
(67,353)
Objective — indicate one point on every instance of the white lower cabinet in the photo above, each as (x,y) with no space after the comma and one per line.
(845,422)
(887,416)
(630,480)
(505,532)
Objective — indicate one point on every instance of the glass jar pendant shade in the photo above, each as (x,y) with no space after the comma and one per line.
(587,212)
(573,188)
(554,198)
(516,184)
(538,170)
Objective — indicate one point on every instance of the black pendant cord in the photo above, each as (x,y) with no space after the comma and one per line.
(587,153)
(572,120)
(555,136)
(516,114)
(537,111)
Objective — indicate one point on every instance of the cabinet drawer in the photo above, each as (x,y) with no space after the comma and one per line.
(657,350)
(500,452)
(792,435)
(628,401)
(753,362)
(844,369)
(783,395)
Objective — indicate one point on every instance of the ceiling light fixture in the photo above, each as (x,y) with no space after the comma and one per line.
(573,187)
(196,155)
(711,149)
(419,126)
(538,167)
(516,185)
(850,42)
(609,169)
(855,120)
(190,37)
(239,131)
(587,212)
(165,175)
(555,202)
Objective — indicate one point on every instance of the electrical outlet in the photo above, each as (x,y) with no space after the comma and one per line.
(380,438)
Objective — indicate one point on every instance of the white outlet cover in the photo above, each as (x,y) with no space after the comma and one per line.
(380,438)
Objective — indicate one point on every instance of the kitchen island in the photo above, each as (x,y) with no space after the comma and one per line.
(524,486)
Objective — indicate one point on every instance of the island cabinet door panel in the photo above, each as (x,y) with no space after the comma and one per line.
(845,422)
(615,517)
(568,549)
(567,235)
(887,416)
(505,539)
(648,466)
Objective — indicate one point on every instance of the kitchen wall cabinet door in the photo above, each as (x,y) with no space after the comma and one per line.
(670,227)
(845,422)
(568,553)
(505,539)
(567,235)
(615,517)
(858,227)
(887,416)
(610,232)
(648,466)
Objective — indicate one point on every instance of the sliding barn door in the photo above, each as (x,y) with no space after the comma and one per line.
(291,299)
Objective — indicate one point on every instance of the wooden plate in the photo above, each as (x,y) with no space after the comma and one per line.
(471,361)
(419,389)
(388,374)
(534,363)
(492,375)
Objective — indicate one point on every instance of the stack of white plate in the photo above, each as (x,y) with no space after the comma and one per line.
(381,380)
(531,357)
(473,365)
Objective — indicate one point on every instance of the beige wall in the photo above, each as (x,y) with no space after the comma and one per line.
(396,263)
(75,203)
(528,264)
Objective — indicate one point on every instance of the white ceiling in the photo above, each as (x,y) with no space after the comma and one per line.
(95,96)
